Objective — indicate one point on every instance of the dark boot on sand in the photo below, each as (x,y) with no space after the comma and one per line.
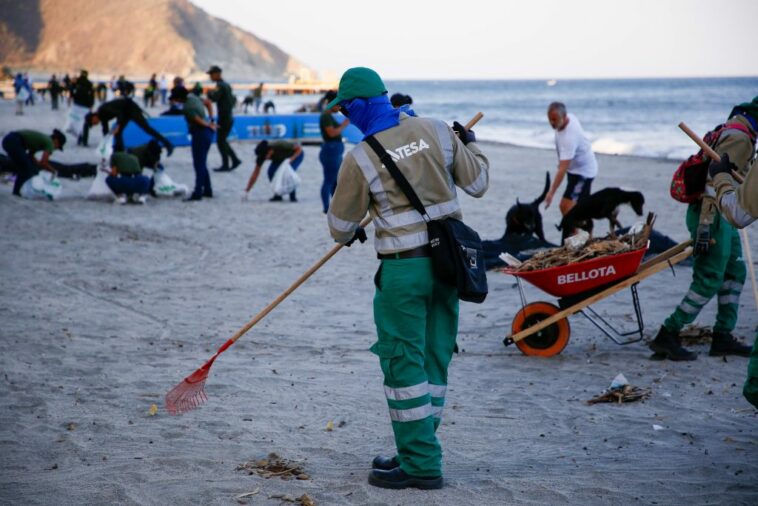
(666,345)
(398,479)
(384,463)
(725,343)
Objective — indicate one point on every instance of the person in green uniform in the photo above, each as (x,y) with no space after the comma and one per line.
(277,152)
(126,179)
(201,130)
(224,98)
(718,269)
(332,148)
(22,145)
(416,314)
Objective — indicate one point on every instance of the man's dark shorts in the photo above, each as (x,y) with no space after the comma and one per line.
(578,187)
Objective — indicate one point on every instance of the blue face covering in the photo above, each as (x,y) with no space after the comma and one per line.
(372,115)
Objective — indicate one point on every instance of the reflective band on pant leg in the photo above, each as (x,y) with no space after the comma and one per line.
(732,285)
(696,298)
(412,414)
(688,308)
(404,393)
(729,299)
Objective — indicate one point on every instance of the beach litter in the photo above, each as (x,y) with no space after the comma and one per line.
(620,392)
(274,466)
(303,500)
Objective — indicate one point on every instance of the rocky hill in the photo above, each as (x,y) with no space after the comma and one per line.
(134,37)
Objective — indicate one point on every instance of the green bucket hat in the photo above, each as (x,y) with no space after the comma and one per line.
(750,108)
(358,82)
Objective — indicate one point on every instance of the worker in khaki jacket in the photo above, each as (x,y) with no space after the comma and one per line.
(738,204)
(416,315)
(718,268)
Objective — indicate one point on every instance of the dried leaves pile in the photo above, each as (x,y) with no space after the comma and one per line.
(693,335)
(592,249)
(274,466)
(626,393)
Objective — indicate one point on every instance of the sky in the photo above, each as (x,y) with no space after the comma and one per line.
(508,39)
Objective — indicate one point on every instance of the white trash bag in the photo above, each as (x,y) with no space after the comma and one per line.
(105,149)
(22,95)
(166,187)
(43,186)
(99,190)
(75,119)
(285,179)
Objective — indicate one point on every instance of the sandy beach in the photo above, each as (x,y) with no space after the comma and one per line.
(107,307)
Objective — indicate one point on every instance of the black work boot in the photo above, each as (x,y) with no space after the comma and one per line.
(725,343)
(667,344)
(398,479)
(384,463)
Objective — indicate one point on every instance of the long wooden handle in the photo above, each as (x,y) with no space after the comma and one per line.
(294,286)
(473,121)
(706,148)
(598,296)
(661,257)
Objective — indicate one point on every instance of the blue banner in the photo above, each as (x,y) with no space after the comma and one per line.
(297,127)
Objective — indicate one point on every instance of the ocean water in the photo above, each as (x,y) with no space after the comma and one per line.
(620,116)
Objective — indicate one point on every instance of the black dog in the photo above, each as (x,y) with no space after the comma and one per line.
(600,205)
(526,218)
(522,223)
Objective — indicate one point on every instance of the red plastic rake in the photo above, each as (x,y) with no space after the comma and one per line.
(190,393)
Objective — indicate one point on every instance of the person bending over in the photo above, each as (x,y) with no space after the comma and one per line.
(124,110)
(22,145)
(126,179)
(277,152)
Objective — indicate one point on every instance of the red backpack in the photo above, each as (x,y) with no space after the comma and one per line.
(688,182)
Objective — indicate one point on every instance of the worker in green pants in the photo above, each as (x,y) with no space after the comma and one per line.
(416,319)
(416,315)
(718,269)
(721,272)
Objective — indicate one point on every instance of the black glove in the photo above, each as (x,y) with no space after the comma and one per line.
(702,240)
(464,135)
(723,166)
(360,235)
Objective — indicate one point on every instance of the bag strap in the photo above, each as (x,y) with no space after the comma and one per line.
(398,176)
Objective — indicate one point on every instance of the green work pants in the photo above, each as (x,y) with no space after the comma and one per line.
(720,271)
(416,320)
(224,149)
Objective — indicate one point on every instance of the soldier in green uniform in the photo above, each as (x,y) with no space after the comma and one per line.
(277,152)
(224,98)
(22,145)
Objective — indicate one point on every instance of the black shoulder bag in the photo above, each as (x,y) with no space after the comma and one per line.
(457,253)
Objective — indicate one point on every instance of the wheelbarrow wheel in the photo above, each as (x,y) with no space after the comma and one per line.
(547,342)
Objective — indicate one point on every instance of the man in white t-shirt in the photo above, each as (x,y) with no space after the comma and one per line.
(575,157)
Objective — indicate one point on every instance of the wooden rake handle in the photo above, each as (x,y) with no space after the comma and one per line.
(294,286)
(706,148)
(473,121)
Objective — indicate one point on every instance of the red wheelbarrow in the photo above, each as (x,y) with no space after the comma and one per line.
(542,328)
